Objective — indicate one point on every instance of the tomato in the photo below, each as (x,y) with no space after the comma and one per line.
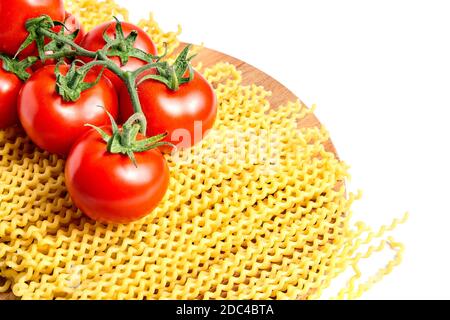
(108,187)
(54,124)
(72,24)
(94,41)
(10,86)
(175,112)
(14,14)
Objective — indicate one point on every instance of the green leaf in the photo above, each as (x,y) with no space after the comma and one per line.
(166,51)
(155,77)
(56,46)
(153,146)
(72,85)
(132,157)
(114,125)
(28,41)
(115,145)
(182,62)
(151,140)
(129,134)
(122,47)
(104,135)
(191,76)
(123,56)
(174,75)
(87,85)
(33,26)
(131,39)
(119,29)
(174,84)
(19,68)
(106,36)
(141,55)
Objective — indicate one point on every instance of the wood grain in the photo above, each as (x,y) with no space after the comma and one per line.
(250,75)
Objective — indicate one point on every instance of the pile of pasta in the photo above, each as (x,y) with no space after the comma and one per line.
(248,227)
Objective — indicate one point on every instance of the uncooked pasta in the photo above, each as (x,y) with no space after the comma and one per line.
(246,226)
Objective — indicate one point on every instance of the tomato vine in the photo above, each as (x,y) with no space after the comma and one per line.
(71,85)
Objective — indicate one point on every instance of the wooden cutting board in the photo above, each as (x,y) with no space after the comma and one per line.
(250,75)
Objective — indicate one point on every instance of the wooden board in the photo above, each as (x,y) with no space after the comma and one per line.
(250,75)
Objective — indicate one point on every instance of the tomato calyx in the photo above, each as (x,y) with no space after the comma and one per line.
(174,75)
(72,84)
(124,140)
(123,47)
(33,27)
(18,67)
(58,47)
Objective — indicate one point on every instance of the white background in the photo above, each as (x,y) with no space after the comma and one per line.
(379,72)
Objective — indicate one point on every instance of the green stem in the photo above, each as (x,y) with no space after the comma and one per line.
(142,69)
(111,65)
(80,50)
(92,64)
(111,44)
(59,55)
(132,90)
(128,77)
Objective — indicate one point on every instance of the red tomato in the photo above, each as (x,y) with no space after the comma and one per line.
(175,112)
(14,14)
(72,24)
(108,187)
(54,124)
(10,86)
(94,41)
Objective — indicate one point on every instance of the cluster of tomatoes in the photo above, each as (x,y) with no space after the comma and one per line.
(114,173)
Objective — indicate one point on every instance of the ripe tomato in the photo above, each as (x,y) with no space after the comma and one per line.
(14,14)
(72,24)
(10,86)
(175,112)
(54,124)
(94,41)
(108,187)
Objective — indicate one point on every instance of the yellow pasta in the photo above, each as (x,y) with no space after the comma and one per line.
(92,12)
(268,223)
